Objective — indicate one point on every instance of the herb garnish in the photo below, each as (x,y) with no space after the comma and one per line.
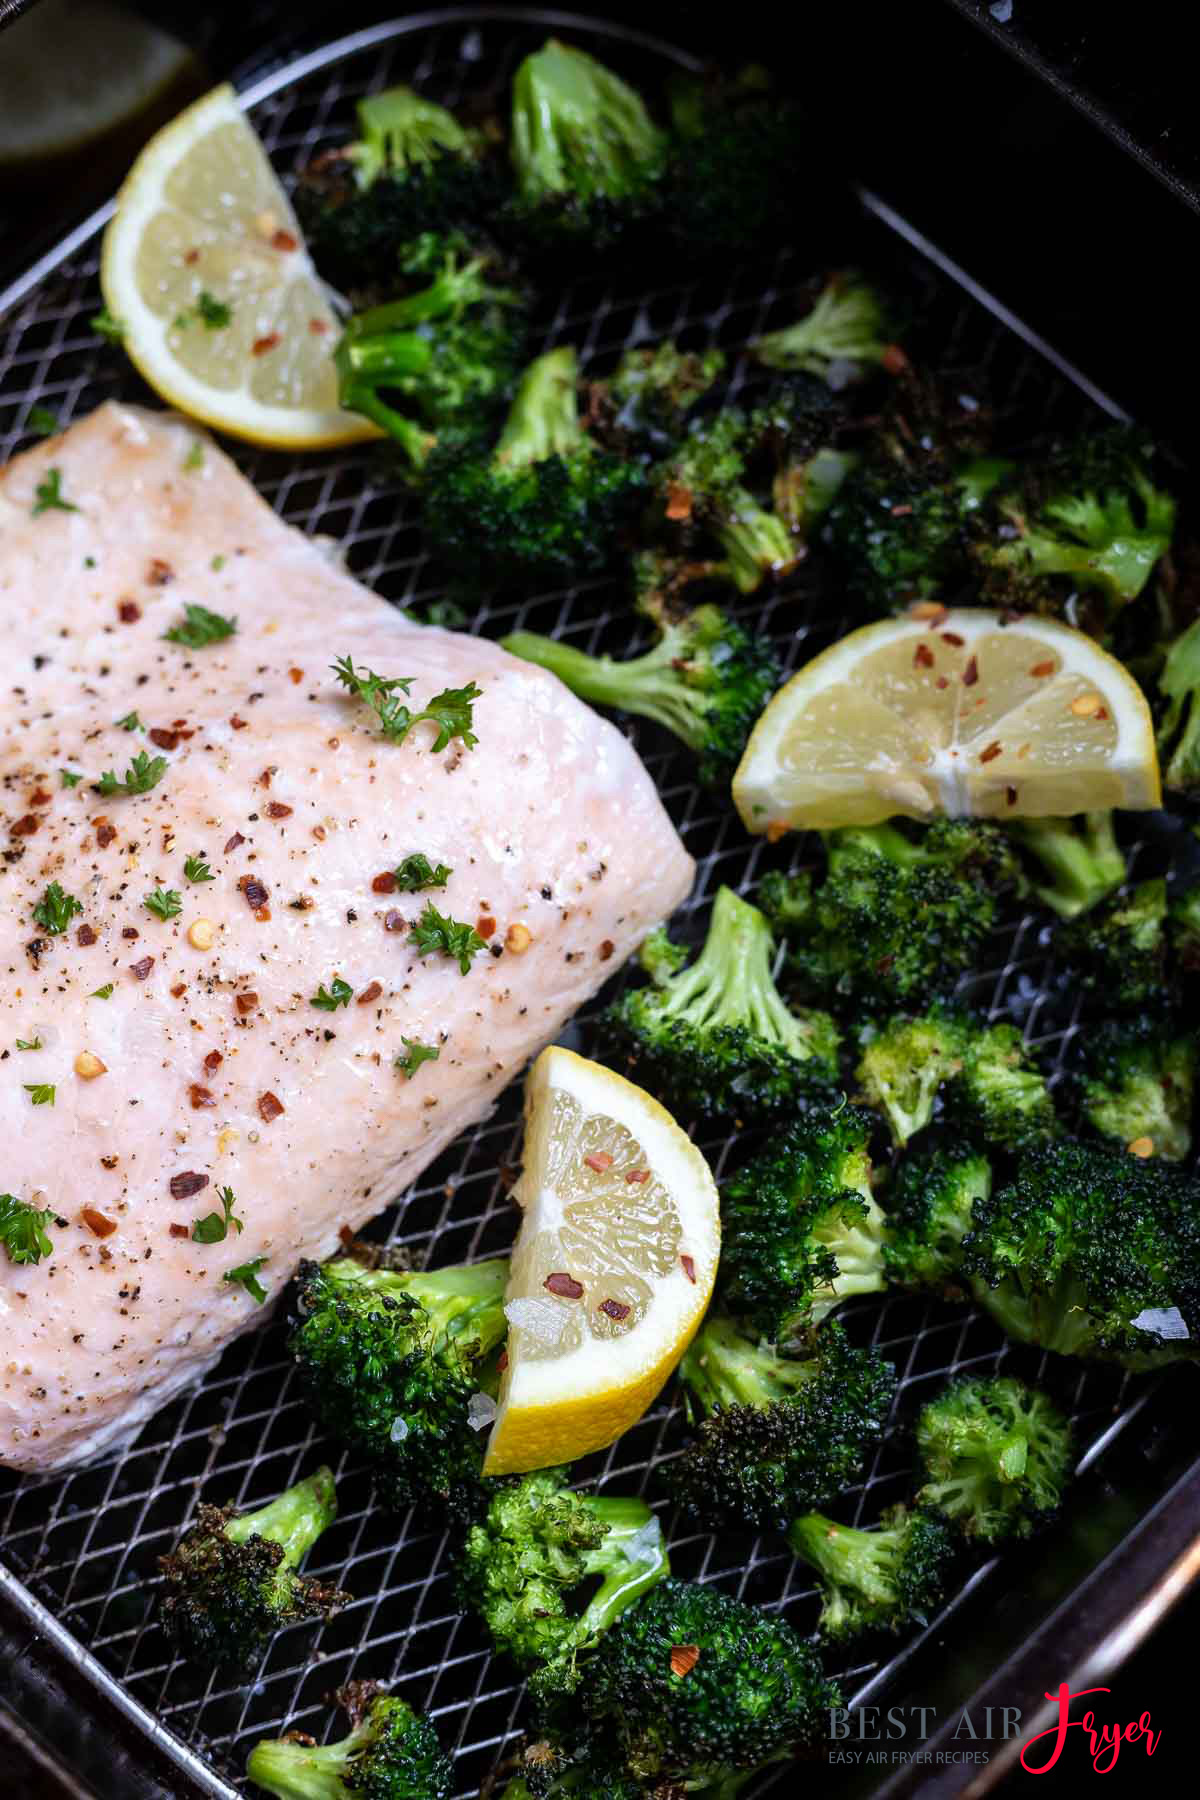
(23,1230)
(200,627)
(106,326)
(195,456)
(435,933)
(41,1093)
(42,421)
(130,722)
(214,1227)
(48,495)
(70,778)
(213,314)
(196,869)
(246,1275)
(143,773)
(31,1044)
(340,994)
(55,910)
(103,993)
(164,903)
(451,710)
(416,872)
(415,1055)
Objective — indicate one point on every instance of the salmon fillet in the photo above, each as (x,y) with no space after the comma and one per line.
(181,1065)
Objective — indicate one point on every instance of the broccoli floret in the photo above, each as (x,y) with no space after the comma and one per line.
(705,681)
(538,1544)
(703,486)
(1183,930)
(996,1457)
(390,1753)
(1137,1084)
(1000,1094)
(845,330)
(1118,950)
(984,1075)
(931,1205)
(446,353)
(1091,1252)
(795,426)
(716,1037)
(904,1065)
(1086,516)
(652,389)
(232,1581)
(740,157)
(775,1433)
(879,1578)
(547,504)
(1179,729)
(392,1359)
(900,914)
(800,1229)
(1079,860)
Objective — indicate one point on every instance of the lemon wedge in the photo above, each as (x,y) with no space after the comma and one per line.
(613,1266)
(950,712)
(205,269)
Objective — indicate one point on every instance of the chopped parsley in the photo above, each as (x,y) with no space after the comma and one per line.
(106,326)
(436,934)
(23,1230)
(196,869)
(55,910)
(48,495)
(200,627)
(246,1275)
(103,993)
(340,994)
(416,873)
(40,1092)
(41,421)
(195,456)
(217,564)
(451,710)
(414,1055)
(164,903)
(214,1228)
(31,1044)
(130,722)
(215,314)
(70,777)
(144,772)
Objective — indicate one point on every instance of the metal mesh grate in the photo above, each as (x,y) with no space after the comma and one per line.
(86,1544)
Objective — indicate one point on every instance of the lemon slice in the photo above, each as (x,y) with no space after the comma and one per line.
(613,1266)
(950,712)
(205,268)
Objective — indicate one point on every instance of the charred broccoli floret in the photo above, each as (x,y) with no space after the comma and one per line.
(706,681)
(996,1456)
(653,388)
(800,1229)
(775,1433)
(1137,1084)
(703,489)
(530,1566)
(845,331)
(900,914)
(983,1074)
(1179,728)
(390,1753)
(905,1063)
(715,1036)
(1000,1094)
(1118,950)
(1183,930)
(232,1581)
(391,1360)
(1079,861)
(877,1578)
(547,504)
(1091,1252)
(931,1208)
(795,428)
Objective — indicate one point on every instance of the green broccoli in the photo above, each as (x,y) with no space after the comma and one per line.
(1091,1252)
(1079,860)
(1183,930)
(390,1753)
(1137,1084)
(879,1578)
(653,388)
(1179,728)
(1118,951)
(845,330)
(996,1456)
(800,1229)
(775,1433)
(905,1064)
(232,1581)
(715,1036)
(703,489)
(525,1566)
(1000,1094)
(984,1075)
(795,425)
(930,1210)
(392,1360)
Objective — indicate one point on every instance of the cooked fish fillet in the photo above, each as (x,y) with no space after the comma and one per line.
(180,1065)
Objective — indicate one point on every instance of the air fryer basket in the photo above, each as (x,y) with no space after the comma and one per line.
(77,1553)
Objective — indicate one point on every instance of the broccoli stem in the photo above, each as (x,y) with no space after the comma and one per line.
(846,325)
(307,1771)
(849,1557)
(544,418)
(731,981)
(722,1367)
(754,540)
(465,1302)
(295,1520)
(1080,856)
(626,1575)
(652,686)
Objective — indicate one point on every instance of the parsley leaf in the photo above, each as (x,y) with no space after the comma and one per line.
(32,1044)
(130,722)
(41,421)
(103,993)
(23,1230)
(143,773)
(378,692)
(48,495)
(434,933)
(417,872)
(195,456)
(246,1275)
(70,778)
(214,1227)
(214,313)
(55,910)
(200,627)
(415,1055)
(41,1093)
(196,869)
(106,326)
(452,711)
(164,904)
(340,994)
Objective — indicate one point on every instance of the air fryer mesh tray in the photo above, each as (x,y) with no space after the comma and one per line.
(84,1546)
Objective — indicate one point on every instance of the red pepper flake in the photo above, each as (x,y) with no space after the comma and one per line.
(261,345)
(923,657)
(564,1285)
(485,926)
(370,993)
(638,1176)
(893,361)
(295,676)
(200,1097)
(319,833)
(190,257)
(234,843)
(615,1309)
(990,754)
(97,1223)
(684,1658)
(85,936)
(189,1183)
(165,740)
(213,1061)
(971,672)
(1102,712)
(238,724)
(129,612)
(140,970)
(929,612)
(158,572)
(245,1003)
(941,682)
(599,1160)
(130,932)
(952,637)
(276,809)
(179,990)
(901,512)
(502,1361)
(40,797)
(1010,795)
(180,1231)
(679,501)
(318,327)
(269,1107)
(253,892)
(25,827)
(1043,668)
(384,884)
(606,949)
(393,921)
(689,1268)
(284,240)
